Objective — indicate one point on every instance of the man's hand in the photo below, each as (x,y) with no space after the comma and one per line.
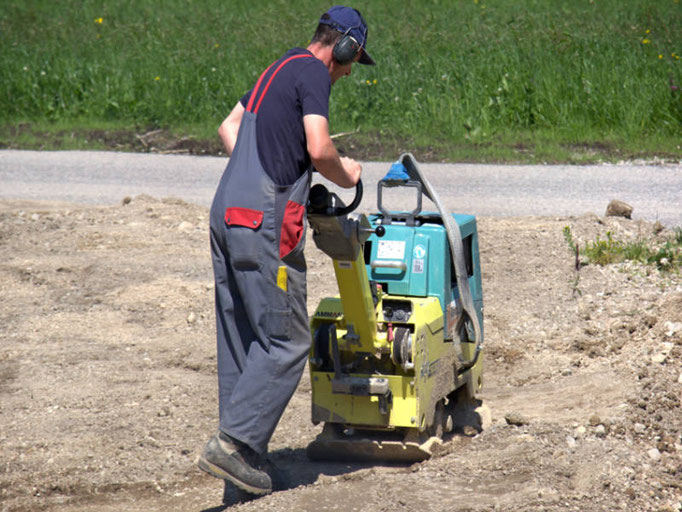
(345,172)
(352,168)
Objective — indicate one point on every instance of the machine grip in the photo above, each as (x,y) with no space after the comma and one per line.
(321,201)
(356,201)
(400,265)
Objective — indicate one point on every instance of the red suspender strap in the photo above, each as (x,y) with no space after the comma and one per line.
(255,89)
(265,89)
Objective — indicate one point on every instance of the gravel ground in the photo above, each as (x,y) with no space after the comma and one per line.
(108,388)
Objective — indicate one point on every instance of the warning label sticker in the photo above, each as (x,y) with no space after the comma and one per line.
(391,250)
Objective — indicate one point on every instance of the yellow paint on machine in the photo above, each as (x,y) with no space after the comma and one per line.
(413,393)
(364,410)
(356,297)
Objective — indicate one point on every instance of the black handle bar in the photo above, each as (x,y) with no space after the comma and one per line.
(322,201)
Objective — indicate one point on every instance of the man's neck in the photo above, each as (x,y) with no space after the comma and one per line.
(322,52)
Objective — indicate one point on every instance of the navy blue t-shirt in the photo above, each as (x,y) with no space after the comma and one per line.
(300,88)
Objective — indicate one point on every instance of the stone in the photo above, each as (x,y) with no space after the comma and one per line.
(516,419)
(659,358)
(617,208)
(185,226)
(579,431)
(658,227)
(672,328)
(639,428)
(600,431)
(594,420)
(667,444)
(571,442)
(469,431)
(654,454)
(485,415)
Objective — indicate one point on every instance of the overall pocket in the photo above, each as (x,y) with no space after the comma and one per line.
(277,323)
(243,237)
(292,234)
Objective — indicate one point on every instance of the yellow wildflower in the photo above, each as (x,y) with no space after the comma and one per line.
(375,81)
(660,56)
(647,31)
(157,78)
(99,21)
(368,82)
(645,41)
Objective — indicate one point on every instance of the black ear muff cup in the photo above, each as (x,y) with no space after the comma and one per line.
(346,49)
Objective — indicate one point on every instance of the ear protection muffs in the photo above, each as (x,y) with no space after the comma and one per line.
(346,49)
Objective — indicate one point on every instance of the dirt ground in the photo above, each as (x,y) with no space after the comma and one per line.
(108,388)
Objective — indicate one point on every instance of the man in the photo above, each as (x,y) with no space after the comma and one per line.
(275,134)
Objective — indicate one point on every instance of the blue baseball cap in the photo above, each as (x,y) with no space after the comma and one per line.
(349,21)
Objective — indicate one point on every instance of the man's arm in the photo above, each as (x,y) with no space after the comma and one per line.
(230,128)
(343,171)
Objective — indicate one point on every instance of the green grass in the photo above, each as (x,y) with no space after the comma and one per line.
(665,255)
(494,80)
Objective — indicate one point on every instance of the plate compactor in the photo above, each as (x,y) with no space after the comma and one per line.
(396,358)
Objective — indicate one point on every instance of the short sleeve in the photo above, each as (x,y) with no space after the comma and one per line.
(245,99)
(314,86)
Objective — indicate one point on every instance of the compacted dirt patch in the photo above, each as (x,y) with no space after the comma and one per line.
(108,387)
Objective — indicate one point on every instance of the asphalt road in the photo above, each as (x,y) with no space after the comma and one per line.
(655,192)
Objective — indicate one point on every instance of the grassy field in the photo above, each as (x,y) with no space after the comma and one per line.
(475,80)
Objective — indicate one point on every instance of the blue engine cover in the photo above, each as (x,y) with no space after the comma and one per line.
(415,260)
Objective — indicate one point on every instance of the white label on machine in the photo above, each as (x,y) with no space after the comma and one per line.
(391,250)
(419,251)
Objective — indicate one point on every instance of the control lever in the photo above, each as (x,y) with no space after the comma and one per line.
(378,231)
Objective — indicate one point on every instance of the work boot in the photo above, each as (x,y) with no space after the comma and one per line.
(229,459)
(280,479)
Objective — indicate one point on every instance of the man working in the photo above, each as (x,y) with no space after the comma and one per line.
(275,135)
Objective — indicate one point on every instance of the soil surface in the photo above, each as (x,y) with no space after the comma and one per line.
(108,385)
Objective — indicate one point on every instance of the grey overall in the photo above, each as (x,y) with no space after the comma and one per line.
(257,241)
